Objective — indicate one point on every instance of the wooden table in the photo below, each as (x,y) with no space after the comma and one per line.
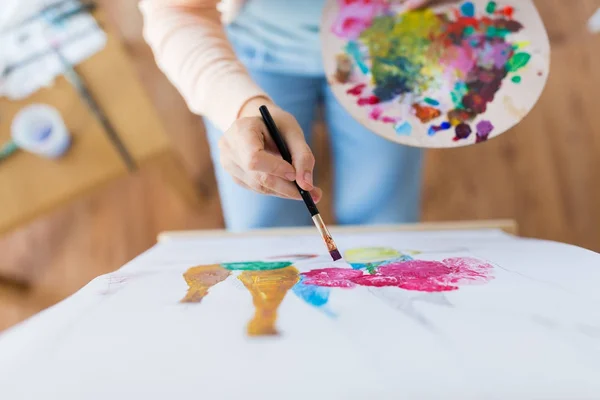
(31,186)
(507,225)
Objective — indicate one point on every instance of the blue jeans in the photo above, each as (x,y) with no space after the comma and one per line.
(375,181)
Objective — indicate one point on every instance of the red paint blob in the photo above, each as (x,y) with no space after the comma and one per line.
(507,11)
(429,276)
(418,275)
(357,90)
(376,113)
(331,277)
(371,100)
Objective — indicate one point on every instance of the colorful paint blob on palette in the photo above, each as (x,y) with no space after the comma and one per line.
(374,267)
(445,67)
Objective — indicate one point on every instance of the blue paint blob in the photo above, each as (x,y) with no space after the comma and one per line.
(404,128)
(314,295)
(377,264)
(433,129)
(353,50)
(402,258)
(468,9)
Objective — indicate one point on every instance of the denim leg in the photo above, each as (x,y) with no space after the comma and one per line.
(242,208)
(376,181)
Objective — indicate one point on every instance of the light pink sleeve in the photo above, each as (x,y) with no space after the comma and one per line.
(191,48)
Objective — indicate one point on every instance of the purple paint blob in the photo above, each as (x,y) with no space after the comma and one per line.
(484,128)
(462,131)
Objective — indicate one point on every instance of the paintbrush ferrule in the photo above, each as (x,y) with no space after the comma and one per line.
(327,238)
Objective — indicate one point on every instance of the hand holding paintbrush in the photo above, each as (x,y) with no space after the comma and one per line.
(310,204)
(250,156)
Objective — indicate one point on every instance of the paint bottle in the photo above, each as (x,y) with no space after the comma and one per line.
(40,129)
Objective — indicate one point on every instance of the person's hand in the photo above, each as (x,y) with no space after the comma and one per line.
(251,157)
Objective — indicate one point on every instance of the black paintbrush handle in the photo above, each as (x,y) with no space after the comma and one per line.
(285,153)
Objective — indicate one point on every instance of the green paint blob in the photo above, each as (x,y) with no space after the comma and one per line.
(493,32)
(431,102)
(491,7)
(459,92)
(469,30)
(516,79)
(517,61)
(255,265)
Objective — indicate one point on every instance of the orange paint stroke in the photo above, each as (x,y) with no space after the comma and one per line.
(202,278)
(268,288)
(426,113)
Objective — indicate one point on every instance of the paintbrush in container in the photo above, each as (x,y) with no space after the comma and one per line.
(310,204)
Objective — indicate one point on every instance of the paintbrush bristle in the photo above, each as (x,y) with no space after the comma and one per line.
(335,254)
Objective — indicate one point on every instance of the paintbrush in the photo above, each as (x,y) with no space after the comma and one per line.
(74,78)
(310,204)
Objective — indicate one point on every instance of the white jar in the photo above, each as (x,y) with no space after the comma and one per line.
(40,129)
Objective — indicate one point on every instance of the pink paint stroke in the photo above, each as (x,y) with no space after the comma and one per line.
(417,275)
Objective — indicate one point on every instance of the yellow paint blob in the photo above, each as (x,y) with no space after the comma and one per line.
(202,278)
(371,254)
(268,288)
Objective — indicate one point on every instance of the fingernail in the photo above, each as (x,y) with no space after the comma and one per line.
(315,197)
(308,178)
(290,176)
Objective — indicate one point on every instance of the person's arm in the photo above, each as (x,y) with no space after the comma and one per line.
(192,50)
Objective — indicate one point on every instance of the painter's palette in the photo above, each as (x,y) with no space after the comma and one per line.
(445,76)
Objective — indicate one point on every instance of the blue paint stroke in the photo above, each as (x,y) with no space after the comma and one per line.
(433,129)
(404,128)
(402,258)
(468,9)
(313,295)
(353,50)
(376,264)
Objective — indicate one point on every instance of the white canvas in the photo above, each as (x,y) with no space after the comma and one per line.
(532,331)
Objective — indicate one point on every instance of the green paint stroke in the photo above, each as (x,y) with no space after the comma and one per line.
(491,7)
(256,265)
(518,61)
(516,79)
(431,102)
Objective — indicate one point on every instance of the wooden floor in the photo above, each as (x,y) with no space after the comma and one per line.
(545,173)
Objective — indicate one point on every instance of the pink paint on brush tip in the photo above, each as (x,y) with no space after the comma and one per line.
(335,254)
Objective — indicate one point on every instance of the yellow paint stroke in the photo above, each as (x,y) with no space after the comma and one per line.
(371,254)
(519,113)
(268,288)
(202,278)
(521,45)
